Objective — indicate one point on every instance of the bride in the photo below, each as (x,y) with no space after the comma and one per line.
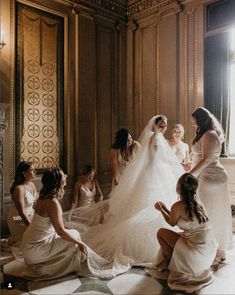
(128,235)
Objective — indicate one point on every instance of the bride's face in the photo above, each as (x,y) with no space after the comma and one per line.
(161,126)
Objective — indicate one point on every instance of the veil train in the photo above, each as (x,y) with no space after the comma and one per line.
(128,235)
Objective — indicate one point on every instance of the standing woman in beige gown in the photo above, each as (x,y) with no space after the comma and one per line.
(213,180)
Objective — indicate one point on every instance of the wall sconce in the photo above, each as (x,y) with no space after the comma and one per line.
(2,41)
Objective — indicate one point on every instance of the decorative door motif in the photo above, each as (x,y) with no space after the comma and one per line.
(39,93)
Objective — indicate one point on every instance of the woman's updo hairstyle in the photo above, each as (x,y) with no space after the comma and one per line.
(52,184)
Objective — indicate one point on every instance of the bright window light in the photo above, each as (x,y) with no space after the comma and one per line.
(232,97)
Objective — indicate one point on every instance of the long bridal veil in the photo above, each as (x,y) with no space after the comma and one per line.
(128,235)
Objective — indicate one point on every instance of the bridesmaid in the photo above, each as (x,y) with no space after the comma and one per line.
(213,180)
(49,249)
(87,189)
(23,194)
(121,153)
(180,148)
(188,255)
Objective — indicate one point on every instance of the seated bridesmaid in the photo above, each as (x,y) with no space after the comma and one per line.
(50,250)
(187,255)
(24,194)
(180,148)
(86,189)
(121,153)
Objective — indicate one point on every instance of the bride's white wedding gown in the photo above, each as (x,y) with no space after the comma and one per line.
(128,235)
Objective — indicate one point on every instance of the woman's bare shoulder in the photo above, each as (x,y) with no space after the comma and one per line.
(210,136)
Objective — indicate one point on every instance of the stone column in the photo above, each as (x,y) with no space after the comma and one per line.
(3,126)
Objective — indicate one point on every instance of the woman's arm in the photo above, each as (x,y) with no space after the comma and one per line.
(113,155)
(76,195)
(210,143)
(54,211)
(18,198)
(187,157)
(187,161)
(98,191)
(136,145)
(171,217)
(35,190)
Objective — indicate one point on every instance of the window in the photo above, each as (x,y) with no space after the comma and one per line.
(231,146)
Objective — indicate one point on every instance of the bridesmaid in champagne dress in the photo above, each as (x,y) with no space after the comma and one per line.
(24,194)
(185,258)
(86,206)
(49,249)
(87,189)
(121,153)
(213,180)
(180,148)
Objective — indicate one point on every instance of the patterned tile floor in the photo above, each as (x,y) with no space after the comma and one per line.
(134,282)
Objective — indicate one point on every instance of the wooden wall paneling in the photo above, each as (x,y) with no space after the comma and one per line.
(130,76)
(87,93)
(122,76)
(107,94)
(137,68)
(148,74)
(132,107)
(168,68)
(191,64)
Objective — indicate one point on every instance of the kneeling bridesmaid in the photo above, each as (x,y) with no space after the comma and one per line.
(188,255)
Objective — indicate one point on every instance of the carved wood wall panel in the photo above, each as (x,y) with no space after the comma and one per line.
(39,84)
(105,95)
(168,68)
(153,69)
(102,91)
(148,73)
(85,149)
(191,64)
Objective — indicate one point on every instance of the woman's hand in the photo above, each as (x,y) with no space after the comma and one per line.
(115,181)
(101,198)
(82,248)
(187,166)
(158,205)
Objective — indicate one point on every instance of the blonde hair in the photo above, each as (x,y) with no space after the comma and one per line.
(180,127)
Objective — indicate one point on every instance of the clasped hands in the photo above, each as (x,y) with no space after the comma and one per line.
(159,205)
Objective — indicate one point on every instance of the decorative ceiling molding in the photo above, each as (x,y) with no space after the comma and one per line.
(116,8)
(125,11)
(148,7)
